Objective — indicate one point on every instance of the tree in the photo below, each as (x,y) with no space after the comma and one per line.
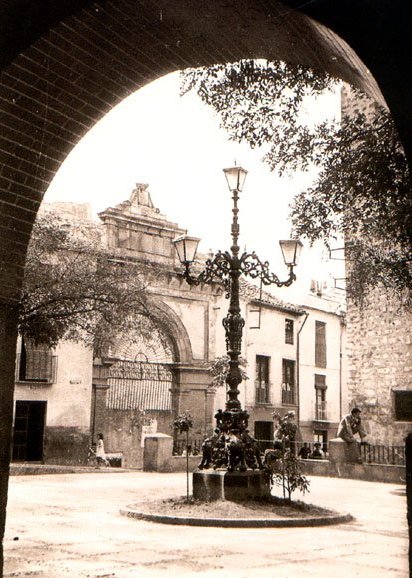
(75,289)
(183,424)
(220,368)
(362,190)
(290,476)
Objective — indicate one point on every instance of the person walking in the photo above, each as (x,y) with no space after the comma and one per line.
(100,453)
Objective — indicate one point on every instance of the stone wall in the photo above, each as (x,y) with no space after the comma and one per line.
(66,445)
(366,472)
(379,359)
(122,429)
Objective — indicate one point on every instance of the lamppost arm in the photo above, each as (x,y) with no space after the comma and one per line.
(216,268)
(253,267)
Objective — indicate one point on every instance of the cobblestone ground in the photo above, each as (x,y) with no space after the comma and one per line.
(68,525)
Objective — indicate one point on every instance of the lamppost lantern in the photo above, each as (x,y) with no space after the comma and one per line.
(186,248)
(235,177)
(291,250)
(232,441)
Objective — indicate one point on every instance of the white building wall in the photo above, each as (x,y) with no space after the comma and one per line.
(69,398)
(333,372)
(269,340)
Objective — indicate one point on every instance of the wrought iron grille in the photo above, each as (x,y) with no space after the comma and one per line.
(139,385)
(36,366)
(179,446)
(262,394)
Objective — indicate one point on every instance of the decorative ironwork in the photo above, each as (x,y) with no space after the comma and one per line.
(38,367)
(220,266)
(231,446)
(139,386)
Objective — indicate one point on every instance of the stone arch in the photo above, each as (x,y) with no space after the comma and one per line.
(65,74)
(150,346)
(175,347)
(176,331)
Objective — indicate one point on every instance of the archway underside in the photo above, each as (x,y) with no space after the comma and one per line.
(68,78)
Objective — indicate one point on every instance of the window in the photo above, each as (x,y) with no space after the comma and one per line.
(403,405)
(289,331)
(35,363)
(288,382)
(262,379)
(320,344)
(264,434)
(320,397)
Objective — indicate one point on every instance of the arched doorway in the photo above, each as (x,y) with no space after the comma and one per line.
(136,397)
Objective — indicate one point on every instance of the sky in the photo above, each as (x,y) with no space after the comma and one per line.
(175,145)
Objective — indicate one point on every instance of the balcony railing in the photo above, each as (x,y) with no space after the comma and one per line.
(321,413)
(38,367)
(288,397)
(262,395)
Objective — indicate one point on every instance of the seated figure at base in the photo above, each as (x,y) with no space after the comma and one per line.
(350,425)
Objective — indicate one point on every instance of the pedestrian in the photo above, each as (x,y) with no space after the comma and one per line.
(100,453)
(317,453)
(304,451)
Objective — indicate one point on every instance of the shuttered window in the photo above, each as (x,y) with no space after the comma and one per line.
(289,331)
(320,344)
(262,379)
(288,382)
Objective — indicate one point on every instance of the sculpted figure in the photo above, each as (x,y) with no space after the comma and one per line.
(236,453)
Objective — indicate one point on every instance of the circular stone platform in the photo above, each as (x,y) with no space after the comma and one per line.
(245,514)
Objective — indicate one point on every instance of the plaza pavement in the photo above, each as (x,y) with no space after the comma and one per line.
(68,525)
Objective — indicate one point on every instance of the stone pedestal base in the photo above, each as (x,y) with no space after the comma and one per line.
(343,452)
(223,485)
(157,451)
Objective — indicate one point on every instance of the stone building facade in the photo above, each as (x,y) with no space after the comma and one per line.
(380,367)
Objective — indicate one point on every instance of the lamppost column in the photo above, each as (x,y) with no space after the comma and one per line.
(233,322)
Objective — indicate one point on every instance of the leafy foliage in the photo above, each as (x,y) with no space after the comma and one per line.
(286,428)
(183,422)
(75,289)
(362,191)
(220,368)
(261,103)
(290,476)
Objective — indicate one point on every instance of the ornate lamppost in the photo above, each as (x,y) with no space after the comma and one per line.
(228,267)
